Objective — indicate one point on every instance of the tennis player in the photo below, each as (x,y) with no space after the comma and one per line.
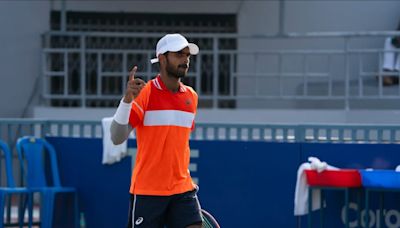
(162,111)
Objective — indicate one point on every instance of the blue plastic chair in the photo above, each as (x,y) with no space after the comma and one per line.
(11,189)
(32,152)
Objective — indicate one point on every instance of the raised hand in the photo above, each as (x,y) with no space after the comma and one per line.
(133,86)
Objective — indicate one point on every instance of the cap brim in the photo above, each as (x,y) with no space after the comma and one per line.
(193,49)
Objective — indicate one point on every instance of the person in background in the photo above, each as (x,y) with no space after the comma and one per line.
(391,60)
(162,111)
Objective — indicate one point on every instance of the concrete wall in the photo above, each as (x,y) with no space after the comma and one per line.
(244,115)
(262,18)
(306,16)
(22,23)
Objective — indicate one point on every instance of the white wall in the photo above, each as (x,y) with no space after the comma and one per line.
(243,116)
(310,16)
(21,24)
(262,18)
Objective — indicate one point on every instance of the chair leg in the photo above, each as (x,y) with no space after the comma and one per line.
(309,219)
(8,214)
(49,210)
(46,216)
(21,209)
(43,209)
(321,210)
(359,209)
(2,205)
(366,208)
(30,209)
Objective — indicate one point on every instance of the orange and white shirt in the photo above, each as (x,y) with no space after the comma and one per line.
(163,122)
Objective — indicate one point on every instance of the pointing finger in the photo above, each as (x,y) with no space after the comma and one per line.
(132,73)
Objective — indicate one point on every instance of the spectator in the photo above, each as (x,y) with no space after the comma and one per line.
(391,60)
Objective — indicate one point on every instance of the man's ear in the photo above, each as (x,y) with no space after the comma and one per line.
(162,59)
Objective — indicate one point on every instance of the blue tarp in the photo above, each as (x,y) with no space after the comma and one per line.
(243,184)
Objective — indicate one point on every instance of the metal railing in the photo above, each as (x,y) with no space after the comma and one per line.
(11,129)
(85,72)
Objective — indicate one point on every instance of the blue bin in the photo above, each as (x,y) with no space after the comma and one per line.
(380,179)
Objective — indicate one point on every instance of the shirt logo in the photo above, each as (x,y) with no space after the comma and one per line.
(139,221)
(188,102)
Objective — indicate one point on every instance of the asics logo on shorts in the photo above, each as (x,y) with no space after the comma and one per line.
(139,221)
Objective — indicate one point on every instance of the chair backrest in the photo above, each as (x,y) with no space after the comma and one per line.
(8,164)
(31,153)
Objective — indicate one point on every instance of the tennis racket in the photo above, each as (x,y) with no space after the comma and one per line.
(208,220)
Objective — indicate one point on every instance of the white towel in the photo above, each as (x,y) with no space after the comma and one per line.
(111,153)
(301,191)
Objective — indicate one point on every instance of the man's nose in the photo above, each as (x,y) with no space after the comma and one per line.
(187,60)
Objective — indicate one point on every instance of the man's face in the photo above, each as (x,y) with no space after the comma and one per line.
(178,63)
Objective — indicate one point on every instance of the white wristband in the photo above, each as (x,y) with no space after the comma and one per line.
(123,112)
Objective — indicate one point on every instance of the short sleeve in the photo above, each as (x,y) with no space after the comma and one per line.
(195,101)
(139,106)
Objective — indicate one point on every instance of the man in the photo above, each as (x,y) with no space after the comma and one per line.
(162,111)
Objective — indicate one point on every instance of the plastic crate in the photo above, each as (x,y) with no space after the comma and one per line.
(380,179)
(334,178)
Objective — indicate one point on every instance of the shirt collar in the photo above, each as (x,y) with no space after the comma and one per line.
(159,84)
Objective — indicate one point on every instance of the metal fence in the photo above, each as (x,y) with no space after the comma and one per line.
(90,69)
(11,129)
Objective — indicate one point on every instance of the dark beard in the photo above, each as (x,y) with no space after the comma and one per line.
(178,72)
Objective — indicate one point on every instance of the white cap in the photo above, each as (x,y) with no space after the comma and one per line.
(174,42)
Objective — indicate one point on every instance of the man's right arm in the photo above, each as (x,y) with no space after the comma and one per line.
(120,127)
